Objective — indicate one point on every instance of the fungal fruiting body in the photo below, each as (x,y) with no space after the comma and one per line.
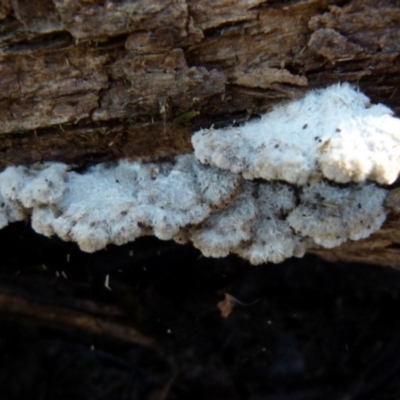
(217,210)
(216,206)
(333,133)
(115,203)
(352,212)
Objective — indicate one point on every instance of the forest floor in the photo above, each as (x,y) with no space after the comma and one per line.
(156,321)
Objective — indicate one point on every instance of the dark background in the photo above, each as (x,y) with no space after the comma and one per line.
(304,329)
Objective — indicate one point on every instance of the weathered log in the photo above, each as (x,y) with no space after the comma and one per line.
(84,82)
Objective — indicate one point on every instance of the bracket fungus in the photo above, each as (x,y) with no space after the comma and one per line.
(334,133)
(297,149)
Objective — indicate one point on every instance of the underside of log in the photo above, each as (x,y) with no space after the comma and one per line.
(84,82)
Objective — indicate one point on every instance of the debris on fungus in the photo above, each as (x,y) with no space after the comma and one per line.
(333,133)
(331,215)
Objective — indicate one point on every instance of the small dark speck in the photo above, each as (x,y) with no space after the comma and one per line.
(369,226)
(305,126)
(276,146)
(117,180)
(338,130)
(316,138)
(124,213)
(359,205)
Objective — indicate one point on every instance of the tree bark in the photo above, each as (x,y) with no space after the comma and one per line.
(89,81)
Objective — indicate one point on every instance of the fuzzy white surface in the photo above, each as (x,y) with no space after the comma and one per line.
(227,228)
(114,203)
(331,215)
(272,239)
(334,132)
(22,189)
(183,200)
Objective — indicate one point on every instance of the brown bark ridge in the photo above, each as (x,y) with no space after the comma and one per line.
(95,80)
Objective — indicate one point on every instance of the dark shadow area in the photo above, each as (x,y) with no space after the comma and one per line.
(304,329)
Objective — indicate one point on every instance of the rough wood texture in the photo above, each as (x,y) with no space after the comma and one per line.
(103,78)
(86,81)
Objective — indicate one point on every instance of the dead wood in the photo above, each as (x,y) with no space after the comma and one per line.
(83,82)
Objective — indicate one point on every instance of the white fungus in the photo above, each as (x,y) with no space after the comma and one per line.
(114,203)
(331,215)
(332,133)
(183,200)
(227,228)
(254,226)
(22,188)
(272,238)
(335,133)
